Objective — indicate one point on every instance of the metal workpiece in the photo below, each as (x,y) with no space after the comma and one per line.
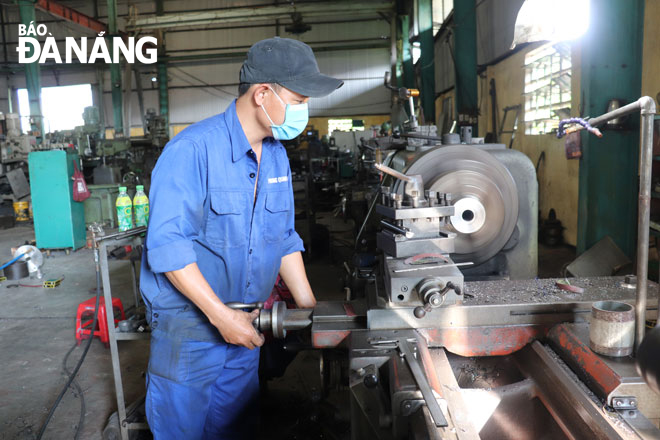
(279,319)
(612,328)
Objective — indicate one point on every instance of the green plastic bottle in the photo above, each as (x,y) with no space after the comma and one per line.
(124,210)
(141,207)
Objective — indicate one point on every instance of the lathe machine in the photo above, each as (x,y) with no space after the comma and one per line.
(430,355)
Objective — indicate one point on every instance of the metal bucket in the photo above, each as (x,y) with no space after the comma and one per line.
(22,211)
(612,328)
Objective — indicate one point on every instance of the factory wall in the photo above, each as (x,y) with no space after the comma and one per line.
(557,176)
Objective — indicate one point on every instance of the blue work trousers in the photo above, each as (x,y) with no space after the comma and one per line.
(201,390)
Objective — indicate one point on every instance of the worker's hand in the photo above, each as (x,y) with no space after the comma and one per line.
(236,328)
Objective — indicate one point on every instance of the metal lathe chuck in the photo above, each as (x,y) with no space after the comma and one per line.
(483,193)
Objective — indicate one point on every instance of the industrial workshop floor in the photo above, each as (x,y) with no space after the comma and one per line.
(37,330)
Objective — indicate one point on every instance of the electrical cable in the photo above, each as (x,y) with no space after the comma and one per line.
(82,358)
(77,387)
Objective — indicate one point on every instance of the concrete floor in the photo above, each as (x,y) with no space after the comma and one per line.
(37,329)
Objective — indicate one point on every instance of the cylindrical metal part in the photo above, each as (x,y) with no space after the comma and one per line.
(17,270)
(451,139)
(296,319)
(612,328)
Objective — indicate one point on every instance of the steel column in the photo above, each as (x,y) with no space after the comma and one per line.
(408,69)
(32,74)
(608,168)
(115,70)
(427,65)
(163,97)
(465,62)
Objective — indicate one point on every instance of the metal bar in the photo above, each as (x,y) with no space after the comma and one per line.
(394,173)
(573,410)
(72,15)
(408,67)
(122,234)
(399,230)
(163,96)
(421,136)
(134,284)
(114,351)
(393,48)
(647,106)
(258,13)
(423,384)
(456,406)
(207,19)
(115,71)
(241,55)
(132,336)
(140,96)
(312,44)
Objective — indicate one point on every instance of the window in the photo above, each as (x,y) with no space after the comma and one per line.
(547,87)
(345,125)
(441,10)
(62,107)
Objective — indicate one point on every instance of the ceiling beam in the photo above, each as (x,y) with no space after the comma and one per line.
(72,15)
(246,14)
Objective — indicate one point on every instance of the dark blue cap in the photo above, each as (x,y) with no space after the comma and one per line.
(289,63)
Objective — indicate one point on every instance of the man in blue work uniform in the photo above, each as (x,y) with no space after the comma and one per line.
(221,229)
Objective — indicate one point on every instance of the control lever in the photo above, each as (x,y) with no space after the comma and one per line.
(409,351)
(435,299)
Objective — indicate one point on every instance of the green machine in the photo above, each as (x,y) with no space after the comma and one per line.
(59,221)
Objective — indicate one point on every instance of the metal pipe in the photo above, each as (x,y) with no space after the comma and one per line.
(646,105)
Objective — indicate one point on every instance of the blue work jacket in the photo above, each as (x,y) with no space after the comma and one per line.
(203,210)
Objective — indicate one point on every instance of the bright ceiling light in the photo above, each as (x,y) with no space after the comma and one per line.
(551,20)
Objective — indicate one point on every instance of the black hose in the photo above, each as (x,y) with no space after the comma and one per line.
(82,358)
(78,388)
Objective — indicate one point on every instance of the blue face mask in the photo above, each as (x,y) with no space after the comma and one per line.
(295,120)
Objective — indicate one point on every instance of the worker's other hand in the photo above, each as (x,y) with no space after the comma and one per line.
(236,328)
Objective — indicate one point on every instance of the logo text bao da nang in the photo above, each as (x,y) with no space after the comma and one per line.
(78,48)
